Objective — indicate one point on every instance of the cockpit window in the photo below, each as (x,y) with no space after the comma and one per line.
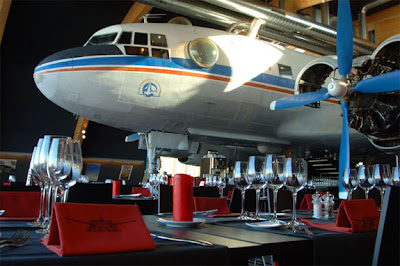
(132,50)
(158,40)
(125,37)
(140,38)
(285,71)
(102,39)
(203,52)
(160,53)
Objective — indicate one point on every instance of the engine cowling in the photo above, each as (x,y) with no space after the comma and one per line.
(375,115)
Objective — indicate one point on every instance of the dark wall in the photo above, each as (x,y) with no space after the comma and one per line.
(35,30)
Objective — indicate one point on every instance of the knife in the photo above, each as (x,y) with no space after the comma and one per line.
(197,242)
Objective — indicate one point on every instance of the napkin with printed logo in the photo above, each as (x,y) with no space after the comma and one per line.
(360,215)
(78,229)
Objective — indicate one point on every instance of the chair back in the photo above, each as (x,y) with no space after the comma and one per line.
(90,193)
(386,250)
(165,199)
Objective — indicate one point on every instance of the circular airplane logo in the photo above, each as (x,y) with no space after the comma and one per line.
(150,88)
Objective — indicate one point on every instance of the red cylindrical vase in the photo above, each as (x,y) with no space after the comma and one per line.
(116,187)
(182,208)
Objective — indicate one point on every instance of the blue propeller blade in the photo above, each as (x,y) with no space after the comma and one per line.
(382,83)
(132,138)
(344,38)
(300,99)
(344,156)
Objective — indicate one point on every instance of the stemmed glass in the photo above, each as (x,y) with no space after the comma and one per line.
(365,178)
(274,165)
(382,178)
(35,176)
(59,163)
(221,183)
(239,178)
(395,176)
(255,177)
(350,181)
(295,179)
(74,147)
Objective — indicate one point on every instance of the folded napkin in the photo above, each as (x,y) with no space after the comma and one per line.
(360,215)
(182,198)
(116,186)
(78,229)
(209,203)
(330,226)
(144,191)
(306,203)
(19,205)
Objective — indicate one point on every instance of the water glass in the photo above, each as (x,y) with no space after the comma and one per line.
(255,177)
(350,181)
(365,178)
(382,178)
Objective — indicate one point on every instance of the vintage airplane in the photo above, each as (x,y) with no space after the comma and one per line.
(188,89)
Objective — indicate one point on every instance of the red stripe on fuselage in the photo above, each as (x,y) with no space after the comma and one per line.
(174,72)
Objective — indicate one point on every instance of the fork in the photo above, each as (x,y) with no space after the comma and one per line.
(20,241)
(14,237)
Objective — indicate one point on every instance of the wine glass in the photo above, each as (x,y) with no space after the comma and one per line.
(221,183)
(59,165)
(35,176)
(395,176)
(365,178)
(274,178)
(295,178)
(239,178)
(350,181)
(64,184)
(52,190)
(382,178)
(255,177)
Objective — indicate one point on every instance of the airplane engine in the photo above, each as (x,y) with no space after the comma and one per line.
(375,115)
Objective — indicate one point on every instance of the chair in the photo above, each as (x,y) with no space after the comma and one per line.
(165,199)
(386,250)
(90,193)
(205,192)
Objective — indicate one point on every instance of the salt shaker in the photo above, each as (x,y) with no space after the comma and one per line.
(328,205)
(317,205)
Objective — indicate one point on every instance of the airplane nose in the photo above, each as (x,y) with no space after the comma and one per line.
(83,51)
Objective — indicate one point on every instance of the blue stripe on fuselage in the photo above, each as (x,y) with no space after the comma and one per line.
(174,63)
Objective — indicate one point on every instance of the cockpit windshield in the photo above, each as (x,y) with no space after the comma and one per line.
(102,39)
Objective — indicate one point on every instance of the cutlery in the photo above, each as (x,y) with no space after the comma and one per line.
(197,242)
(19,242)
(17,235)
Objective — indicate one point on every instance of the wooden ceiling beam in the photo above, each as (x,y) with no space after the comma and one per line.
(136,13)
(4,9)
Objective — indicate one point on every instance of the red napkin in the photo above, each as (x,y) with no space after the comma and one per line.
(209,203)
(306,203)
(19,205)
(78,229)
(360,215)
(145,191)
(182,198)
(116,187)
(330,226)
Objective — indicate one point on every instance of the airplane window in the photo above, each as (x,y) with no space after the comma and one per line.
(158,40)
(140,38)
(102,39)
(159,53)
(132,50)
(125,37)
(285,71)
(203,52)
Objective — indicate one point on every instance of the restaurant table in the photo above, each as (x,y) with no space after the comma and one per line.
(234,243)
(147,205)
